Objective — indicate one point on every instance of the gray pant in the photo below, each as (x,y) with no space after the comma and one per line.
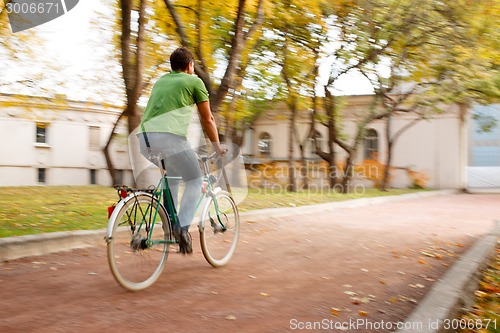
(180,161)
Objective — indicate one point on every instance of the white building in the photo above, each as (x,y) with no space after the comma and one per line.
(58,142)
(447,149)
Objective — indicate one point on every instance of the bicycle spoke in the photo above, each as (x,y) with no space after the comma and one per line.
(137,256)
(220,229)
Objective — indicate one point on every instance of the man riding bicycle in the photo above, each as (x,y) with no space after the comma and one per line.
(164,128)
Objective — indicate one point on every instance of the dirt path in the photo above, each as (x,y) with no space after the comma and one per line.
(371,263)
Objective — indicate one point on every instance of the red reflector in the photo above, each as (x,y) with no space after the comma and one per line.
(110,211)
(123,193)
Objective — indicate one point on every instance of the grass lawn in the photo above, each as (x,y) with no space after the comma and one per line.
(35,210)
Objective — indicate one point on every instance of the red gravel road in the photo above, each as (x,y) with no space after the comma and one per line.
(372,263)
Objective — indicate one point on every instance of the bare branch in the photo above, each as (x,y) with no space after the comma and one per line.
(258,21)
(178,24)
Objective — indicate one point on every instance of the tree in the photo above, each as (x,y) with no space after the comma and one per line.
(22,51)
(142,47)
(441,64)
(294,35)
(132,47)
(409,36)
(363,30)
(223,31)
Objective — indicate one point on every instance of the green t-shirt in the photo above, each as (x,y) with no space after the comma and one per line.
(172,102)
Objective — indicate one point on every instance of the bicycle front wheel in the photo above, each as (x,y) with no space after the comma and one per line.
(139,242)
(219,229)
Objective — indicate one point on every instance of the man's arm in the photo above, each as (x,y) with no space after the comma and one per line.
(208,123)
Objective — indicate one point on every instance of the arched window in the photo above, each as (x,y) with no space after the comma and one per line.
(264,144)
(371,145)
(311,145)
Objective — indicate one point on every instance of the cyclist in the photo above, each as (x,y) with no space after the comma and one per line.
(164,127)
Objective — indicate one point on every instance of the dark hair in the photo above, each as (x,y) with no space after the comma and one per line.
(180,59)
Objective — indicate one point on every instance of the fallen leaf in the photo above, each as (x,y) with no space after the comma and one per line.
(264,294)
(334,311)
(363,313)
(230,317)
(427,254)
(393,299)
(365,300)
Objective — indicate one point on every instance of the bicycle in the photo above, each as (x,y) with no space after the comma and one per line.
(141,229)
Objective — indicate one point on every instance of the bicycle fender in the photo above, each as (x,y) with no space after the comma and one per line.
(205,205)
(117,209)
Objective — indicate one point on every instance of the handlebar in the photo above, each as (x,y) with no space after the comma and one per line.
(205,158)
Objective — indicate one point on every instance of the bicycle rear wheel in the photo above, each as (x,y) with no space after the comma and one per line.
(219,229)
(136,261)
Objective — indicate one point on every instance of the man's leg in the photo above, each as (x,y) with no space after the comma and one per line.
(185,164)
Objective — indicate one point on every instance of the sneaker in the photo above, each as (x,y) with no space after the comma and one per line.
(185,243)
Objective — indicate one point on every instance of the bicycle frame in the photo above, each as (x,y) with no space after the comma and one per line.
(161,193)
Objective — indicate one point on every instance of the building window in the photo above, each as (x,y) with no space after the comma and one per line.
(41,133)
(311,145)
(264,144)
(93,176)
(42,173)
(94,137)
(371,145)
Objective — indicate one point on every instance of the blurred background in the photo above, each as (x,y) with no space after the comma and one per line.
(319,95)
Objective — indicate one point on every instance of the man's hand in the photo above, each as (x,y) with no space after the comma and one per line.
(220,149)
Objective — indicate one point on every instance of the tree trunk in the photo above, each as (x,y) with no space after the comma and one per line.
(292,186)
(388,159)
(107,153)
(332,137)
(303,168)
(346,180)
(388,164)
(132,61)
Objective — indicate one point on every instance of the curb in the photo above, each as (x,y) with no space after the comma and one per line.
(353,203)
(12,248)
(454,291)
(34,245)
